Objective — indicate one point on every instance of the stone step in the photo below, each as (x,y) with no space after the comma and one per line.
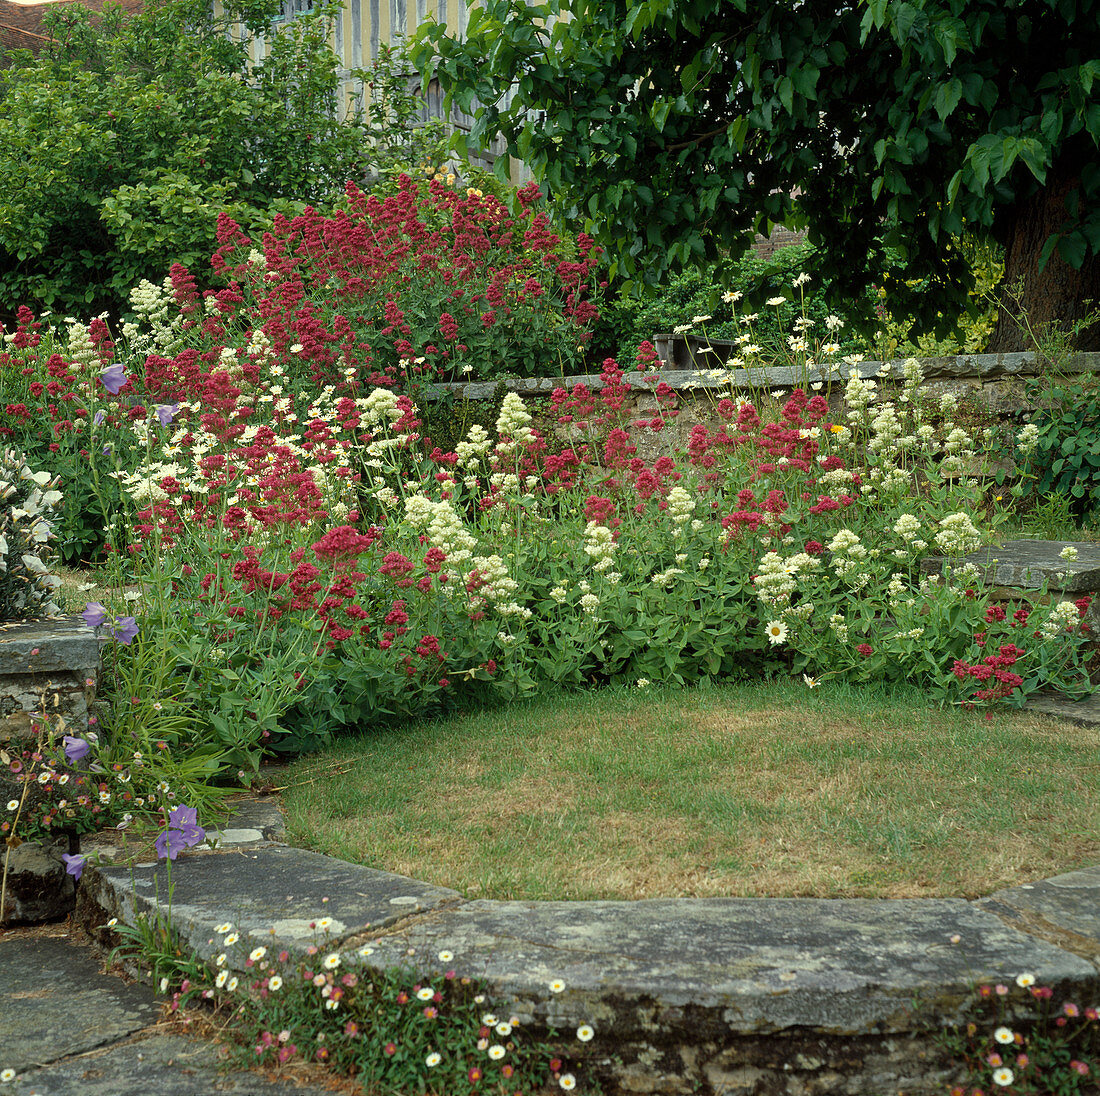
(756,995)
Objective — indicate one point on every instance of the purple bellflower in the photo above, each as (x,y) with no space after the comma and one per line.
(124,630)
(114,378)
(75,748)
(166,412)
(183,831)
(94,614)
(74,864)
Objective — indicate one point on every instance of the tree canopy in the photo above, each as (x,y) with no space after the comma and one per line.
(679,128)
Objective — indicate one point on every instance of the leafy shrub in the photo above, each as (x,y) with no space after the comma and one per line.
(28,585)
(130,135)
(315,552)
(869,326)
(629,320)
(1066,459)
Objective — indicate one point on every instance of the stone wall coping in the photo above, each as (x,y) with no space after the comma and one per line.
(1029,564)
(959,366)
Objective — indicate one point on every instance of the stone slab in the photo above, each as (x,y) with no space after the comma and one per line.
(1084,713)
(271,893)
(39,887)
(1064,910)
(836,966)
(167,1065)
(55,1001)
(1027,564)
(59,644)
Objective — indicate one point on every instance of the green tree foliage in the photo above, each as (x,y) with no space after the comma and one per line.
(680,127)
(120,145)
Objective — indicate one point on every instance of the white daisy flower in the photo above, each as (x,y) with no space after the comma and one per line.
(585,1033)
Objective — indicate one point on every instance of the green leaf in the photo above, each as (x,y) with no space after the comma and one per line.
(947,98)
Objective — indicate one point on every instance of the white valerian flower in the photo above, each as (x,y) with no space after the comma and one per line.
(1028,438)
(957,535)
(1068,553)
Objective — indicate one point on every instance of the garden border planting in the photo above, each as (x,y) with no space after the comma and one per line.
(776,996)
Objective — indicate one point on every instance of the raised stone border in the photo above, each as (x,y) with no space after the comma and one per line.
(799,997)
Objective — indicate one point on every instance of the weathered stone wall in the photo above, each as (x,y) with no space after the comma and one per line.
(46,666)
(998,383)
(48,675)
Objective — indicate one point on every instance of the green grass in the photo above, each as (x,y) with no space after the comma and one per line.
(736,790)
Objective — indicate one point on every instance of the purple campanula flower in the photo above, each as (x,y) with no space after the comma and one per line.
(181,832)
(94,614)
(169,844)
(74,864)
(166,412)
(75,748)
(114,378)
(124,630)
(98,417)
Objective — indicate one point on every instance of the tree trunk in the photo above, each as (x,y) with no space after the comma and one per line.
(1057,295)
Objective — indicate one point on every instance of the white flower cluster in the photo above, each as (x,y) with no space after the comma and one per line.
(498,587)
(663,579)
(81,350)
(957,535)
(151,305)
(1064,615)
(513,424)
(475,446)
(444,527)
(599,545)
(838,627)
(775,581)
(848,553)
(1028,438)
(681,505)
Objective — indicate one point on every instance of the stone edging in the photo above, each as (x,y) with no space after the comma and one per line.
(805,996)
